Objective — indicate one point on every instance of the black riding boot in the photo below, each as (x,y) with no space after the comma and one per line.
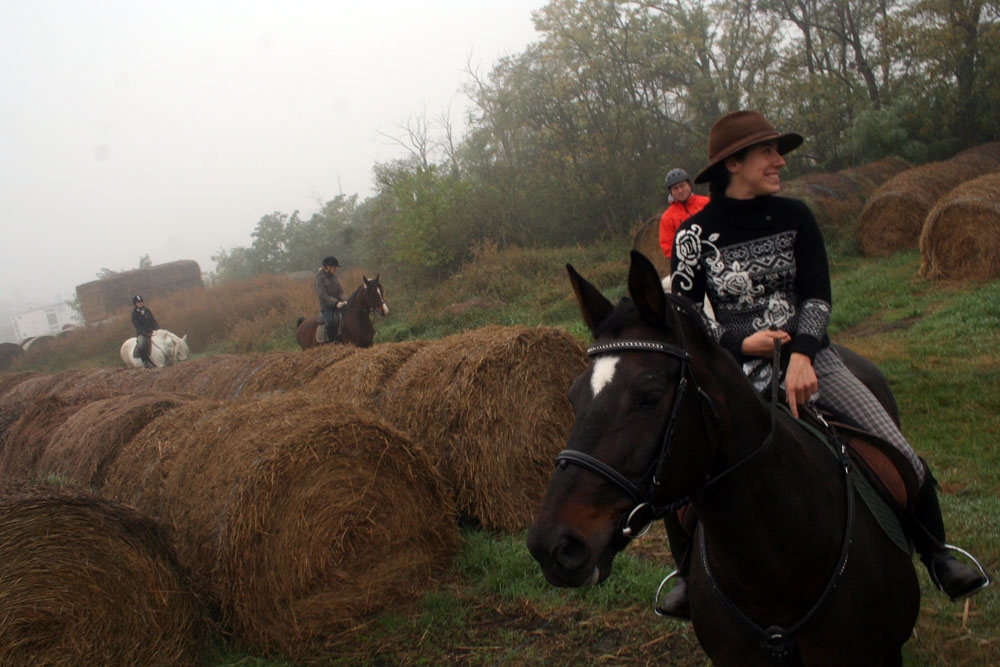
(331,332)
(956,579)
(675,603)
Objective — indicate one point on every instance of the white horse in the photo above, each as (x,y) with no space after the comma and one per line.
(166,349)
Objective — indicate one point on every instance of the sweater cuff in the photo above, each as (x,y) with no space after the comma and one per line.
(805,344)
(733,342)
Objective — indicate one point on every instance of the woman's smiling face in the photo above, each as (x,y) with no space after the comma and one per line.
(757,173)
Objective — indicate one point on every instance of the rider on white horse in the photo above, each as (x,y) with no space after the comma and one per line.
(145,324)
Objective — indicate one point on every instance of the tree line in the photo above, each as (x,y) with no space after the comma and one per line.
(569,140)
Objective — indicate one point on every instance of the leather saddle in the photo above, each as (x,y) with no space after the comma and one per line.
(888,471)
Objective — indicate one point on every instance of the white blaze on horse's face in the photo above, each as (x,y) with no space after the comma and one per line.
(603,373)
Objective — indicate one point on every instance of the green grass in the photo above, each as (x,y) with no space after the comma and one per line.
(937,343)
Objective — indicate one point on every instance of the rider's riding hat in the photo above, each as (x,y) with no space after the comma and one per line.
(136,299)
(675,176)
(738,130)
(330,261)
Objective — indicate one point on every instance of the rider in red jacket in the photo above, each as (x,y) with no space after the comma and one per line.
(683,205)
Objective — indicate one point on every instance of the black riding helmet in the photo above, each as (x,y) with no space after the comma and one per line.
(330,261)
(136,299)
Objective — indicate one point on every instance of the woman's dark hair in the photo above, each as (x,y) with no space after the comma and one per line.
(719,176)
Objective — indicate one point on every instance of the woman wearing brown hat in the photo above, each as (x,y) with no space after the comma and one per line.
(761,262)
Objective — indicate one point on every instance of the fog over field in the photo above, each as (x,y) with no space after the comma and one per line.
(170,129)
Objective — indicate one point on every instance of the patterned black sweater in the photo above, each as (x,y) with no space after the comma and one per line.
(762,262)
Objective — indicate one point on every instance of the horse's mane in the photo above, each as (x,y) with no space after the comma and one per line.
(357,292)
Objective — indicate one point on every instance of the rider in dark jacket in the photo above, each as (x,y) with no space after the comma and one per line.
(145,324)
(330,294)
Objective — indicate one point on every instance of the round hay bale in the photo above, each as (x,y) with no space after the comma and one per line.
(961,238)
(27,437)
(361,377)
(990,150)
(893,217)
(491,408)
(646,239)
(834,199)
(88,582)
(284,371)
(287,509)
(80,449)
(869,177)
(10,380)
(9,353)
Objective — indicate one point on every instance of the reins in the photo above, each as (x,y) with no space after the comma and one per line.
(779,642)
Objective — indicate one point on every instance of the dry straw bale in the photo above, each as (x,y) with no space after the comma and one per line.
(834,199)
(81,449)
(285,371)
(360,378)
(646,239)
(989,152)
(868,177)
(8,381)
(27,437)
(299,516)
(230,376)
(961,238)
(9,353)
(893,217)
(491,407)
(85,581)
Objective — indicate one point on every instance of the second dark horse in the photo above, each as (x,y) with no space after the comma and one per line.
(358,329)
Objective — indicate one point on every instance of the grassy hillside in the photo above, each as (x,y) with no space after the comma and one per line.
(938,343)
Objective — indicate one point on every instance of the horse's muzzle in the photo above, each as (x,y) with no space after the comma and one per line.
(565,559)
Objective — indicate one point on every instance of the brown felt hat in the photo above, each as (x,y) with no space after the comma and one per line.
(738,130)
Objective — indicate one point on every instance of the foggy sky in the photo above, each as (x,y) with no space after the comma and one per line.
(169,129)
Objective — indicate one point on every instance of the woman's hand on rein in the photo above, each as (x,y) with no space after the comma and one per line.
(761,343)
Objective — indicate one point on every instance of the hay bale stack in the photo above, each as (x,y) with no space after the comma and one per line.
(490,406)
(990,151)
(299,517)
(646,239)
(81,449)
(361,377)
(893,217)
(961,238)
(284,371)
(835,200)
(9,353)
(88,582)
(10,380)
(869,177)
(27,437)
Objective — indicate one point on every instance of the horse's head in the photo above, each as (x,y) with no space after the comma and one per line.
(182,350)
(374,296)
(638,442)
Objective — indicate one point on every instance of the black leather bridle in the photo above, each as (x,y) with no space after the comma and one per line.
(644,512)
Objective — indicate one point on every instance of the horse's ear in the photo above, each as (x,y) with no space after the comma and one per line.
(646,290)
(594,307)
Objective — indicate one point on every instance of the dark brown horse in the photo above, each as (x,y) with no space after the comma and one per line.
(358,330)
(787,567)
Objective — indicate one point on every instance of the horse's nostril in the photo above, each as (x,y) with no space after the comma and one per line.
(570,553)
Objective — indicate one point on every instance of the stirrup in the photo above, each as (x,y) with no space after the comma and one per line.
(659,589)
(986,577)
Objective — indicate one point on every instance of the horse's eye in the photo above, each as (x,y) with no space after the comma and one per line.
(647,400)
